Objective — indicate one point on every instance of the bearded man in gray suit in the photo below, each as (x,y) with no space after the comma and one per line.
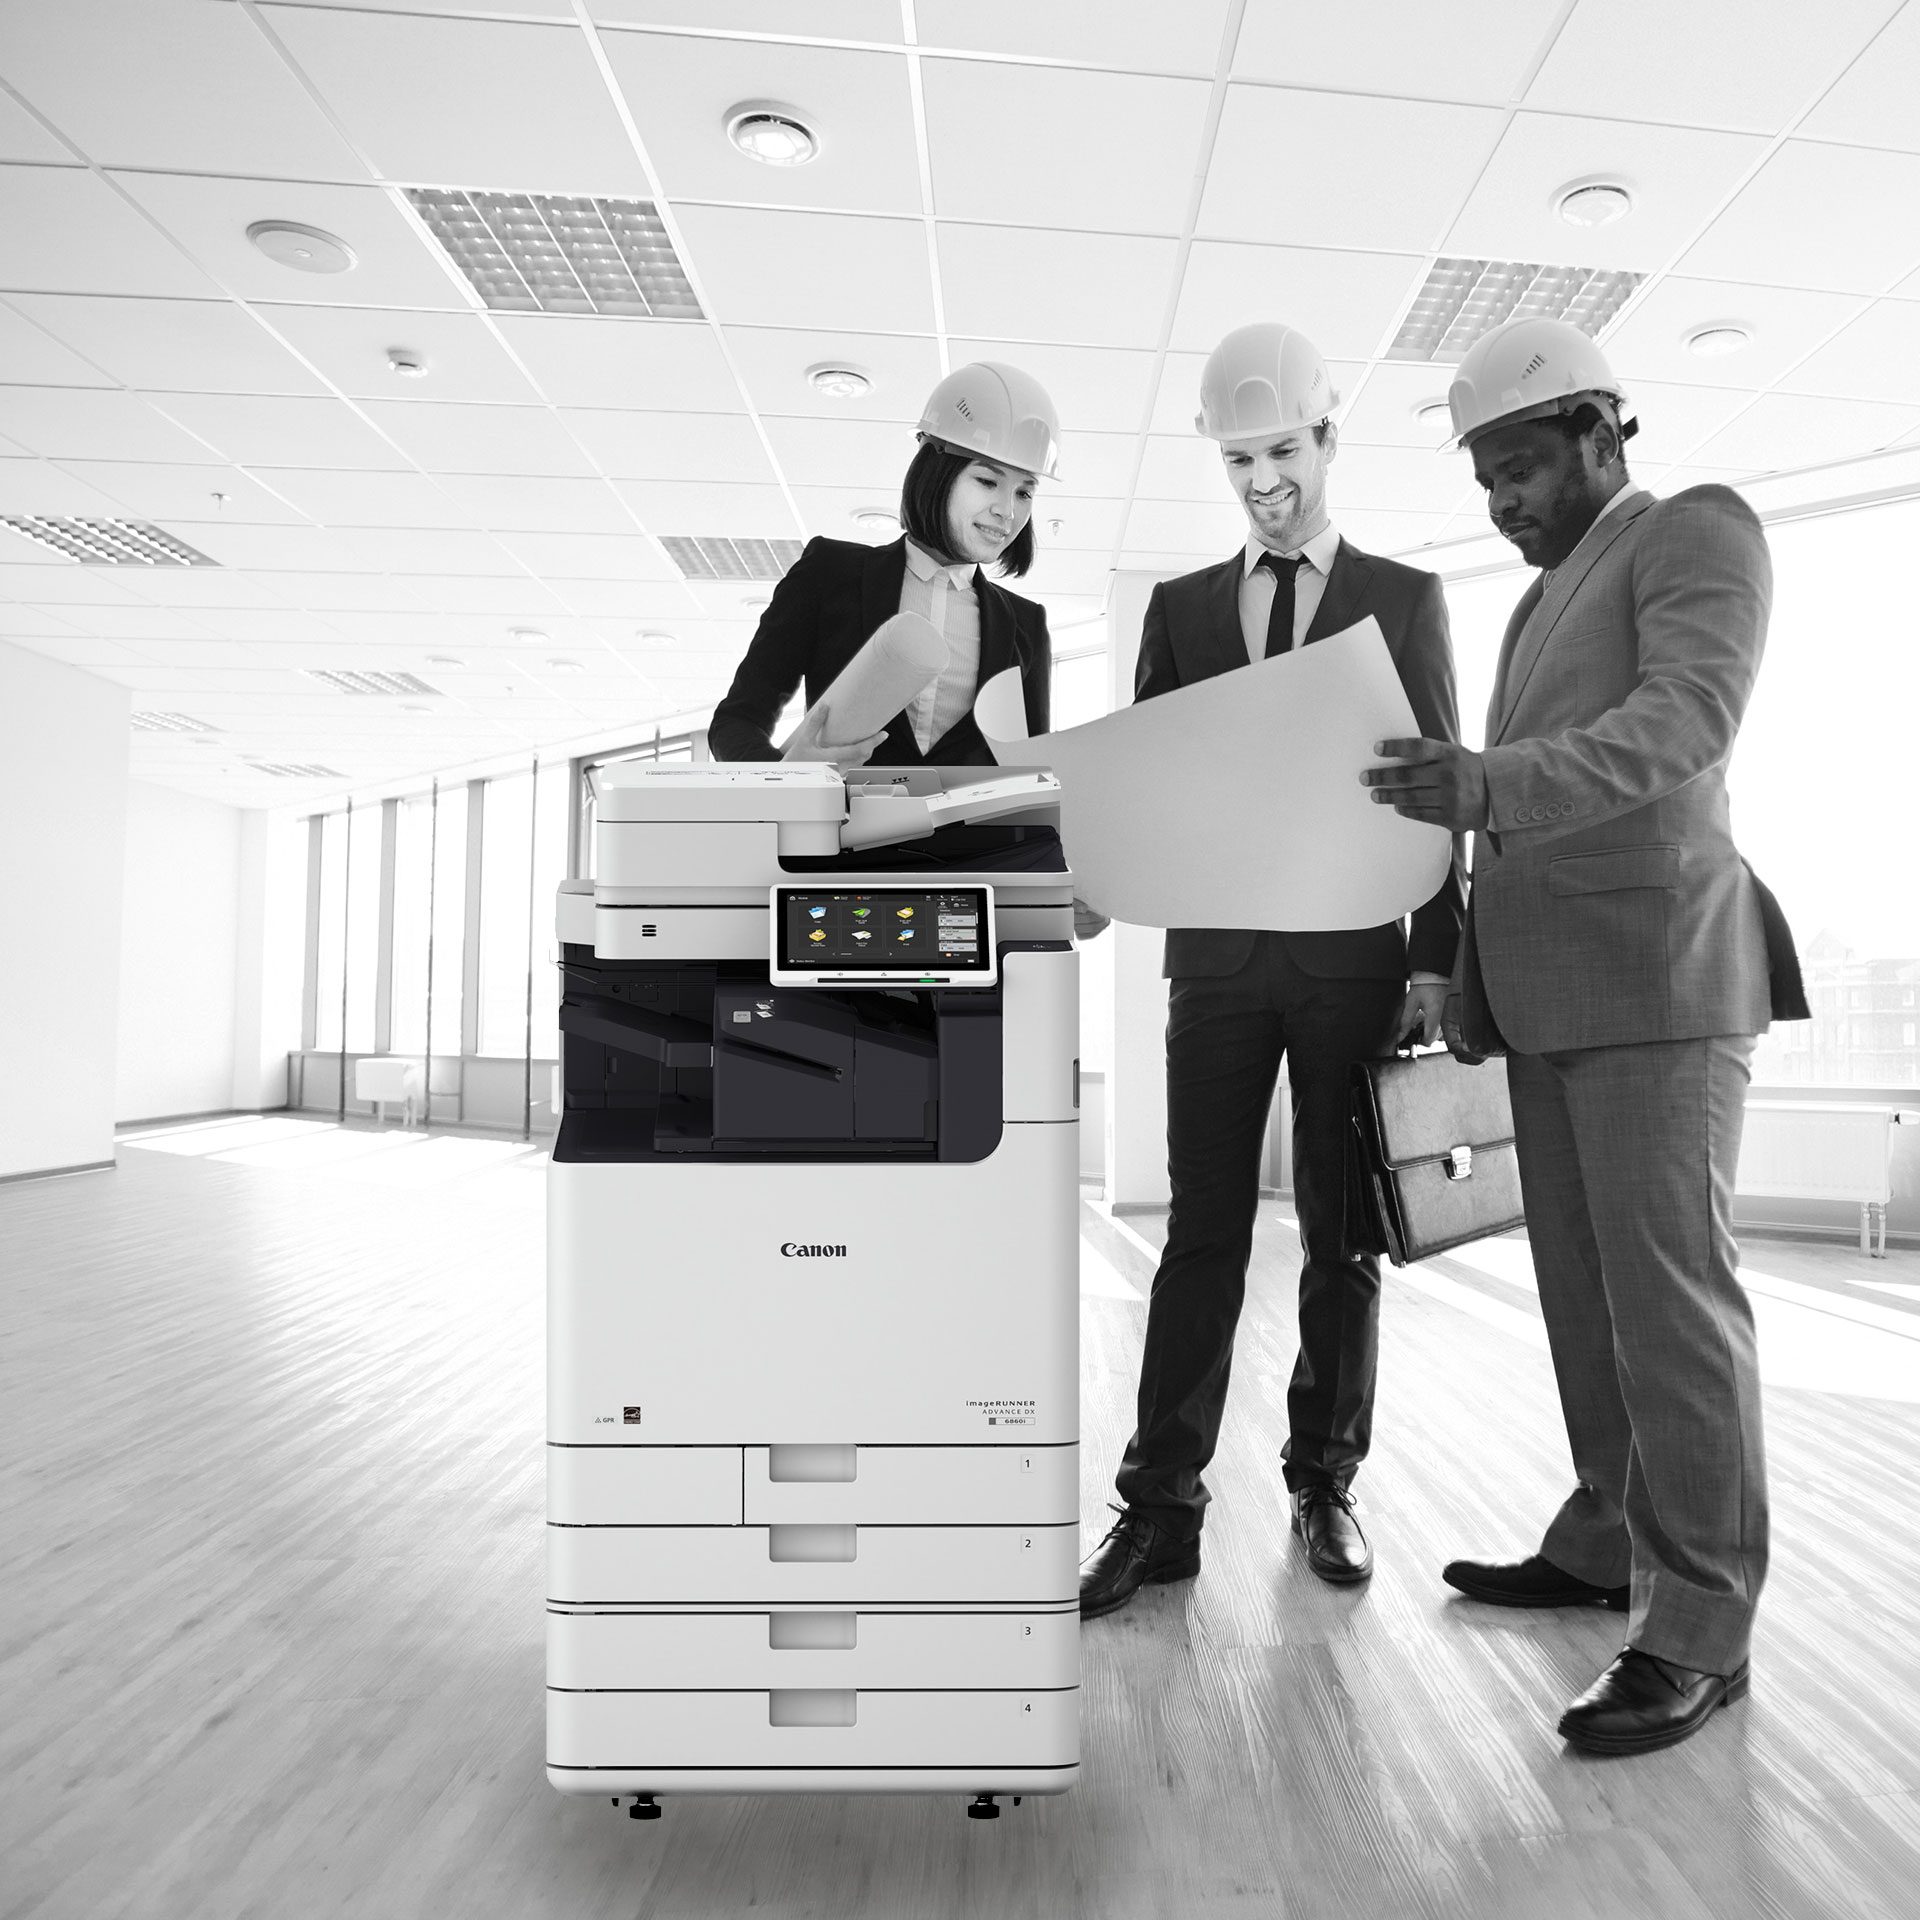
(1624,956)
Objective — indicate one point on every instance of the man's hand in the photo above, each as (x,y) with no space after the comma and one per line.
(806,743)
(1444,785)
(1420,1013)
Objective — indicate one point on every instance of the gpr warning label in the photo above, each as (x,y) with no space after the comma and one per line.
(1005,1413)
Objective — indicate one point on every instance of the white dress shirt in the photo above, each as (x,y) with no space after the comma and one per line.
(947,596)
(1309,586)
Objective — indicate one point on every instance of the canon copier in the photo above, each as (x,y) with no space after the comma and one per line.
(813,1483)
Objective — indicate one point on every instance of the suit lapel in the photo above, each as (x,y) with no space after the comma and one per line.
(1553,602)
(1346,587)
(1516,626)
(886,568)
(1219,646)
(999,636)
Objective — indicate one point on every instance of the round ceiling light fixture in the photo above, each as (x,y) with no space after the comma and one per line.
(305,249)
(839,382)
(1593,203)
(879,523)
(444,660)
(412,709)
(652,637)
(565,666)
(771,133)
(527,633)
(1723,337)
(408,364)
(1430,413)
(753,602)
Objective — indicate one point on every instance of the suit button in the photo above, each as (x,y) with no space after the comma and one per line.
(1520,818)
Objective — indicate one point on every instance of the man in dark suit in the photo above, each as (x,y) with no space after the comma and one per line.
(1242,1000)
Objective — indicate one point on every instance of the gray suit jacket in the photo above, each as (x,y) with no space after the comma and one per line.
(1610,904)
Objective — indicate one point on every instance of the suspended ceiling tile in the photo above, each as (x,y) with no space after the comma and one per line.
(758,267)
(68,232)
(1818,216)
(1076,522)
(1110,151)
(1409,47)
(593,360)
(1396,480)
(300,549)
(337,498)
(454,437)
(23,138)
(677,506)
(514,9)
(672,446)
(33,358)
(1675,419)
(41,578)
(560,557)
(1095,389)
(842,453)
(287,625)
(829,511)
(1099,466)
(469,103)
(1378,409)
(1062,572)
(206,346)
(512,597)
(393,266)
(774,362)
(158,490)
(1145,34)
(1796,430)
(408,550)
(1344,159)
(1072,289)
(1876,357)
(527,505)
(323,592)
(217,588)
(1209,533)
(1872,105)
(1786,323)
(139,84)
(1749,64)
(135,621)
(263,430)
(351,345)
(1177,399)
(870,20)
(1346,303)
(1676,175)
(627,602)
(78,650)
(91,423)
(1181,467)
(1385,531)
(858,104)
(19,622)
(38,486)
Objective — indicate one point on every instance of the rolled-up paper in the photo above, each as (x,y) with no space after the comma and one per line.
(901,658)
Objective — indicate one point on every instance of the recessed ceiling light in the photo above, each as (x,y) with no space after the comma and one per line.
(773,134)
(753,602)
(882,522)
(107,543)
(1462,299)
(529,633)
(1429,411)
(1722,338)
(649,637)
(149,722)
(368,680)
(405,362)
(444,660)
(1593,203)
(838,382)
(414,709)
(305,249)
(714,556)
(565,666)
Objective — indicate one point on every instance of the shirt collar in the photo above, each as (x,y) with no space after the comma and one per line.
(1318,552)
(925,566)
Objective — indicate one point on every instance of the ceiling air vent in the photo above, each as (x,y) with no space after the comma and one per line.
(170,723)
(352,680)
(554,253)
(293,770)
(106,543)
(1463,299)
(714,557)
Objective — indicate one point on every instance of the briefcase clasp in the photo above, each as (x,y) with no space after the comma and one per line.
(1457,1164)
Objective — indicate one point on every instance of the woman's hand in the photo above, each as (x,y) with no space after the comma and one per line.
(1086,923)
(807,743)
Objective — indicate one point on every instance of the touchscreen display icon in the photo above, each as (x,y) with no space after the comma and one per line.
(816,934)
(860,933)
(818,913)
(860,913)
(903,913)
(906,933)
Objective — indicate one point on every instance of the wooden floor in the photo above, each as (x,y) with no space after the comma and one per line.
(272,1630)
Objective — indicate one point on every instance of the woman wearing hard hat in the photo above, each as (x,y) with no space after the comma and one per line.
(988,435)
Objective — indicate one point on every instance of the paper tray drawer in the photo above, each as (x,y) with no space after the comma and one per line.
(709,1566)
(643,1486)
(593,1652)
(623,1731)
(902,1486)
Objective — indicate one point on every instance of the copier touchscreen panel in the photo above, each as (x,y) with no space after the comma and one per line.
(883,936)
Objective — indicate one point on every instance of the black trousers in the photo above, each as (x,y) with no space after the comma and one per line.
(1225,1041)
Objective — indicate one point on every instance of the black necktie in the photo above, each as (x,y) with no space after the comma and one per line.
(1280,618)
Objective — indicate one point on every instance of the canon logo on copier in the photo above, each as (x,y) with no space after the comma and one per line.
(794,1250)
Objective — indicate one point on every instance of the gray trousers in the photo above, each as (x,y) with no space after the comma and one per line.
(1627,1159)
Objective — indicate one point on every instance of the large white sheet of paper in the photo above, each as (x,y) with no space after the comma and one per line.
(1236,802)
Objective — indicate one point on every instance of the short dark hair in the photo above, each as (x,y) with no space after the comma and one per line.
(1582,421)
(923,506)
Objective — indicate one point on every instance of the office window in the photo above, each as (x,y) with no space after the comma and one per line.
(349,930)
(523,859)
(430,861)
(329,976)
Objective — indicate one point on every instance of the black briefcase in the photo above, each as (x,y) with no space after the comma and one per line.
(1431,1162)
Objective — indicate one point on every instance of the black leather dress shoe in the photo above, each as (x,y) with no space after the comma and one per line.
(1530,1583)
(1134,1554)
(1641,1703)
(1336,1548)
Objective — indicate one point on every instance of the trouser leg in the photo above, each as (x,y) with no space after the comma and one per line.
(1223,1057)
(1664,1121)
(1330,1024)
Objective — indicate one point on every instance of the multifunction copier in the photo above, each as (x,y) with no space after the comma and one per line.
(813,1332)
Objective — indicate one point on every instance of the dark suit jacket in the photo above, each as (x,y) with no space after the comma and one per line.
(825,611)
(1192,631)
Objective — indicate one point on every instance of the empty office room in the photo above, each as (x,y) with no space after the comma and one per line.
(959,959)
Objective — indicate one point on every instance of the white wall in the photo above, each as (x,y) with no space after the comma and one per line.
(177,954)
(63,804)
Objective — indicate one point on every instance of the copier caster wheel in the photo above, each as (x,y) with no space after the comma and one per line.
(645,1807)
(983,1807)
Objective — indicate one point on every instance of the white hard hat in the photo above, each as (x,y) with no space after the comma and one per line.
(1265,378)
(1526,370)
(998,413)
